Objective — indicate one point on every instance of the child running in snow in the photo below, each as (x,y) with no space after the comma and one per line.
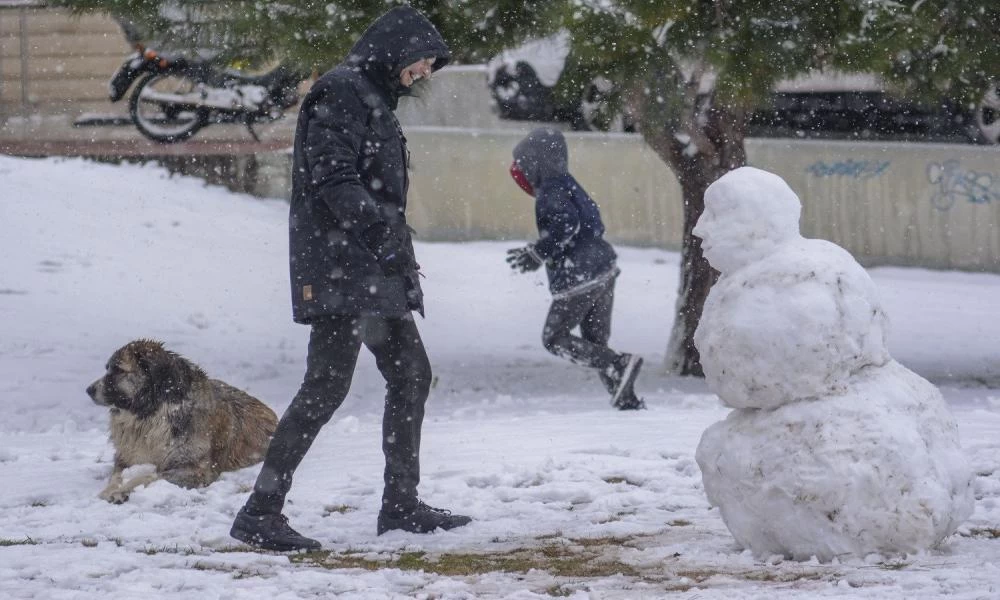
(579,263)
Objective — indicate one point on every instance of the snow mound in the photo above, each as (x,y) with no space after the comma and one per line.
(876,468)
(834,448)
(794,326)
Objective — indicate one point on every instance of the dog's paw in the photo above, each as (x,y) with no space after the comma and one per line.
(114,496)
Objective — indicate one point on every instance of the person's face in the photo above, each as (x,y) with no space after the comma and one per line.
(418,70)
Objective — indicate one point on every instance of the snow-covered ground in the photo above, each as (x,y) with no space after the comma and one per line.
(602,504)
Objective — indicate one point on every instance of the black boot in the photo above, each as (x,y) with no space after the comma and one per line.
(270,532)
(621,376)
(630,401)
(420,519)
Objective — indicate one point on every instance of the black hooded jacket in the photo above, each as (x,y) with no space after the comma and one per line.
(571,232)
(350,174)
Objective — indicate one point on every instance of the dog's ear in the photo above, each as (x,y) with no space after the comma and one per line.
(168,376)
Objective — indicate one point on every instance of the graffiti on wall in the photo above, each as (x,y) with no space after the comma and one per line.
(856,169)
(953,183)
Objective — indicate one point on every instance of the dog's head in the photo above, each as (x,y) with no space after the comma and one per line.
(141,376)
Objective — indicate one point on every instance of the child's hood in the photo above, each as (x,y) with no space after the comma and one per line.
(542,154)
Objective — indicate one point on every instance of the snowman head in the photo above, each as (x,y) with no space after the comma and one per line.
(748,213)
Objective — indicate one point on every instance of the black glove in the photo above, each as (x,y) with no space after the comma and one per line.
(524,259)
(393,257)
(414,295)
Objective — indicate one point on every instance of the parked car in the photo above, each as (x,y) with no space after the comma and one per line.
(534,82)
(539,81)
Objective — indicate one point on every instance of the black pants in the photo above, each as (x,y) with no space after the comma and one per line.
(333,352)
(591,312)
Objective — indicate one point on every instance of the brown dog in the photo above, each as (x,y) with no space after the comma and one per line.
(166,412)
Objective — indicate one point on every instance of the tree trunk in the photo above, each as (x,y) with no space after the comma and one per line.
(696,278)
(698,151)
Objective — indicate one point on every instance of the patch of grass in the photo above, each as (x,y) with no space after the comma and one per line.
(618,516)
(235,571)
(983,532)
(602,541)
(536,481)
(154,550)
(770,575)
(573,559)
(39,504)
(558,591)
(339,509)
(233,548)
(679,523)
(895,565)
(411,561)
(247,573)
(557,559)
(27,541)
(616,479)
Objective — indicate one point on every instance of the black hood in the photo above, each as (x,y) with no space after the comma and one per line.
(394,41)
(542,154)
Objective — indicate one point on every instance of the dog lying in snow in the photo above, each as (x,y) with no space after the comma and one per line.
(166,412)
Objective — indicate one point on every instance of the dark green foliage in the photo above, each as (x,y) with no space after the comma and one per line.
(315,34)
(936,48)
(746,45)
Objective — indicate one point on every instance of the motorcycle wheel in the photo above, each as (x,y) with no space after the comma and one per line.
(161,120)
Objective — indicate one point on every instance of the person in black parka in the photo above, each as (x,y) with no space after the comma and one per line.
(354,278)
(579,262)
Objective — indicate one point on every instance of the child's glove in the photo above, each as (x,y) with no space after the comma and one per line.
(524,259)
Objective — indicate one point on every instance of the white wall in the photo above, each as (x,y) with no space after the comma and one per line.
(934,205)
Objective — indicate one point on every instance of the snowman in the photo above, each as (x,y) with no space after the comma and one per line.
(834,449)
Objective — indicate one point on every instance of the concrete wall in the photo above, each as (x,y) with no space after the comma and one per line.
(894,203)
(461,188)
(932,205)
(903,204)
